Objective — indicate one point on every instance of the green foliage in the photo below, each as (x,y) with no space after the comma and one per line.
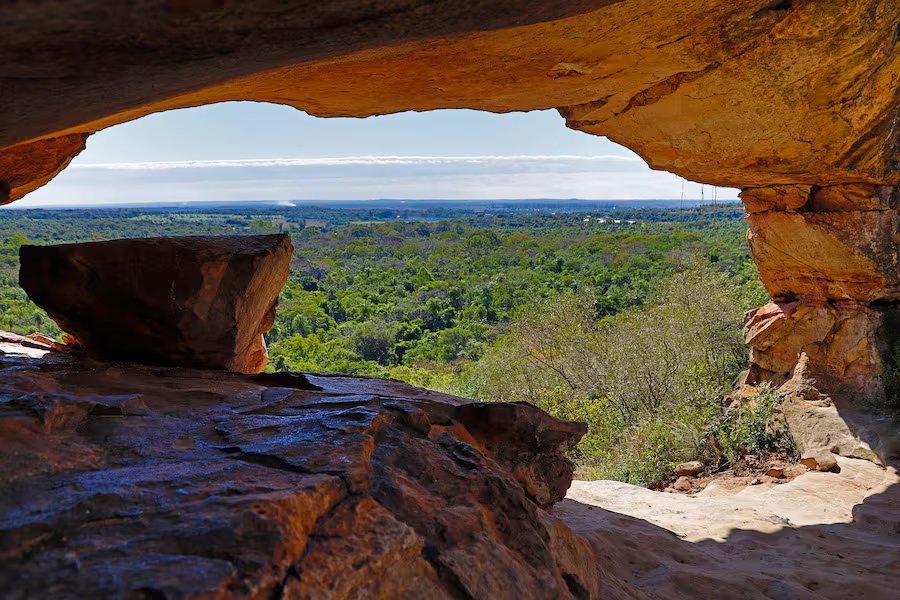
(633,328)
(751,427)
(648,381)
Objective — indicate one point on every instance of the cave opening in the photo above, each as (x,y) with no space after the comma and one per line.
(125,479)
(534,210)
(252,151)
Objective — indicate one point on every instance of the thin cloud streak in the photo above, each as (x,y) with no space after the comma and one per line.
(347,161)
(365,177)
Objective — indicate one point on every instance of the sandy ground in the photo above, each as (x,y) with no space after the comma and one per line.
(821,535)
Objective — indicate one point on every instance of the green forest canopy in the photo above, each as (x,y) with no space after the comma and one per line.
(446,298)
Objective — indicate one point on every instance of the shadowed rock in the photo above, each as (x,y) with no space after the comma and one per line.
(185,301)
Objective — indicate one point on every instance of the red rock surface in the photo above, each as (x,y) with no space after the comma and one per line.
(185,301)
(137,482)
(828,258)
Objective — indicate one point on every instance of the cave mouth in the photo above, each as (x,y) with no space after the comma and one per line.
(134,481)
(251,151)
(174,172)
(244,151)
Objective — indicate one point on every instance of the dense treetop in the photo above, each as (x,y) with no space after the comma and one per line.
(625,319)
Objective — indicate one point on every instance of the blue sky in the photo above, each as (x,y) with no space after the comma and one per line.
(256,151)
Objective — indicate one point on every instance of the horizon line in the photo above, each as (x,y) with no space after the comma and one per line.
(302,203)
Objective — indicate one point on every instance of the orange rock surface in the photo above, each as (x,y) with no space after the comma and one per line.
(839,243)
(181,301)
(732,92)
(137,482)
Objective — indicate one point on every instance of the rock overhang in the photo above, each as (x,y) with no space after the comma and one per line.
(742,94)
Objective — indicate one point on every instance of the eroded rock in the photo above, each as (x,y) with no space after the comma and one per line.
(212,484)
(739,93)
(683,484)
(828,258)
(827,255)
(827,360)
(828,251)
(191,301)
(840,342)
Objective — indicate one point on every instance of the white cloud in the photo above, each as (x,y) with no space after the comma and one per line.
(365,177)
(349,161)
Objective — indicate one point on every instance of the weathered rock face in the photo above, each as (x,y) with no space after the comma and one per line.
(828,256)
(741,93)
(185,301)
(839,341)
(200,490)
(137,482)
(833,243)
(795,101)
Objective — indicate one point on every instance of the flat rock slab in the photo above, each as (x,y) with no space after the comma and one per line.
(821,535)
(180,301)
(130,481)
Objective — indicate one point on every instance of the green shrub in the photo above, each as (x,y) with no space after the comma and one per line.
(751,427)
(648,382)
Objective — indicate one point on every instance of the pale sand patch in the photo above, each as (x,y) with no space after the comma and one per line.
(821,535)
(814,498)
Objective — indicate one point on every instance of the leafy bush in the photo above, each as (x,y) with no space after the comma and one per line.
(647,381)
(752,427)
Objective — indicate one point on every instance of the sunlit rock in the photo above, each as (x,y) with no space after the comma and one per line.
(820,249)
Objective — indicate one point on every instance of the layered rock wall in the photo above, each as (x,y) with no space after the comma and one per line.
(828,256)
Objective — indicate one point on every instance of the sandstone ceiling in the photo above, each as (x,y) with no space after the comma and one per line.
(743,93)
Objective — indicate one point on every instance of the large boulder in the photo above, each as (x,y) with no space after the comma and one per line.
(126,481)
(191,301)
